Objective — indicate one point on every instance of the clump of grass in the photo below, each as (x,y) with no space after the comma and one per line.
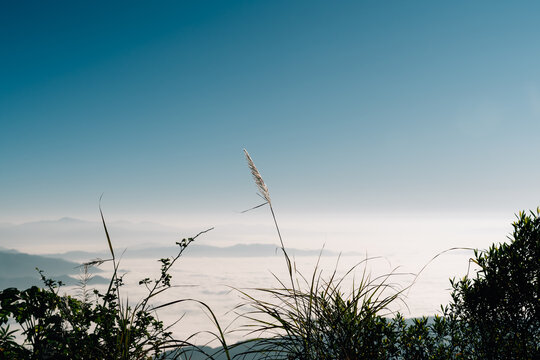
(319,318)
(313,317)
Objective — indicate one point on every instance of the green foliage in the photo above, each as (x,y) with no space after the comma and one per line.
(101,326)
(58,326)
(424,339)
(499,309)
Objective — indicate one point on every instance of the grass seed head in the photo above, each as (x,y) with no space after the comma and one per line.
(263,189)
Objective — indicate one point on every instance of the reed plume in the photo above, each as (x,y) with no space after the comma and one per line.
(263,190)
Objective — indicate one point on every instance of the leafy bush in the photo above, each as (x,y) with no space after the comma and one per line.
(60,327)
(499,310)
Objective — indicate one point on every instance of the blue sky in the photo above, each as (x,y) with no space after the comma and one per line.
(346,107)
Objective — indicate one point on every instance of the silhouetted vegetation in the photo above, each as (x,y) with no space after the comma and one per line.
(498,311)
(493,314)
(93,325)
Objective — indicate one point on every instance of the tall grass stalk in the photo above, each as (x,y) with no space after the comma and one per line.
(139,330)
(265,194)
(313,317)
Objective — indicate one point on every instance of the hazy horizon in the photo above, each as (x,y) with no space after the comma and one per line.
(358,233)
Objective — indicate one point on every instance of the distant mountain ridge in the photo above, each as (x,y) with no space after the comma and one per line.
(19,270)
(197,250)
(78,240)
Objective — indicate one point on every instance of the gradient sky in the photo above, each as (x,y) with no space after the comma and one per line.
(345,107)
